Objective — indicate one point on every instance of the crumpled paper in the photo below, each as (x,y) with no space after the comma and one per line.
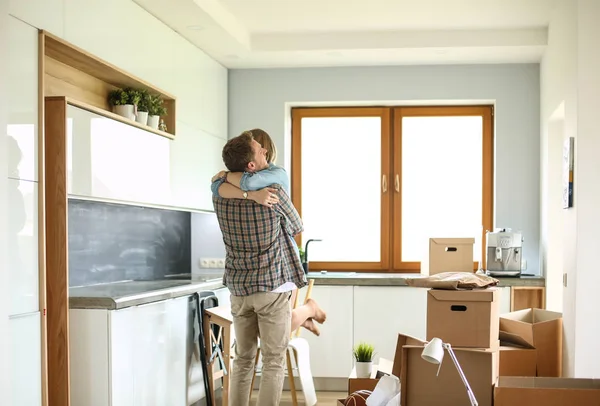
(386,393)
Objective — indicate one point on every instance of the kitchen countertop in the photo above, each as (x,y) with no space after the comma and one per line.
(399,279)
(118,295)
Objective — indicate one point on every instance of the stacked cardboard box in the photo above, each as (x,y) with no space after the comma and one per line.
(469,322)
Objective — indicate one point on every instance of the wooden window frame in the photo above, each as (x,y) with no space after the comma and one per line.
(297,115)
(391,175)
(487,176)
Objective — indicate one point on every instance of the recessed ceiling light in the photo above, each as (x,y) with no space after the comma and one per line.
(195,27)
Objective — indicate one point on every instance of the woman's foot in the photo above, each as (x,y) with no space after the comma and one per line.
(319,315)
(312,327)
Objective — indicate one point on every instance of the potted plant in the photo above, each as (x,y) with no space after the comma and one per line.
(122,105)
(363,355)
(156,109)
(143,107)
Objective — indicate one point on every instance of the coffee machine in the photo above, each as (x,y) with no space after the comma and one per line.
(504,252)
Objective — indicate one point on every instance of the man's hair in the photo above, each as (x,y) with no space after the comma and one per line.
(238,152)
(265,141)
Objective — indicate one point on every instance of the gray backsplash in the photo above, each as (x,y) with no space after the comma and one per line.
(207,242)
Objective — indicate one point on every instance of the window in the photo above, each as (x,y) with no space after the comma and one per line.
(375,183)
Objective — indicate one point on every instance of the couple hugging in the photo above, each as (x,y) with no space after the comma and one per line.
(262,269)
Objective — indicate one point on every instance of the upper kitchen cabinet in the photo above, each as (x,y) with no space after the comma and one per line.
(111,160)
(201,91)
(22,129)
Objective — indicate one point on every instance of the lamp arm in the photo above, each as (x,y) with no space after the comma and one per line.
(462,375)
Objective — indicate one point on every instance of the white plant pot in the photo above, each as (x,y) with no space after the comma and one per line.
(126,110)
(142,117)
(153,122)
(364,369)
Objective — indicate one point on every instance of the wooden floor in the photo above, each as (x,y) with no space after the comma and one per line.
(323,398)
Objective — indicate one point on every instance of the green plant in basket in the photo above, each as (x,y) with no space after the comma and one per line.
(363,352)
(118,97)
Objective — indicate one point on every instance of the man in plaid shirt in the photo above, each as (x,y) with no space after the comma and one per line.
(261,262)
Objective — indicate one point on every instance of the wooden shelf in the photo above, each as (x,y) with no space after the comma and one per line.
(111,115)
(71,72)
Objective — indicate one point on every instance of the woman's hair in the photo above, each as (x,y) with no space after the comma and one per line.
(266,142)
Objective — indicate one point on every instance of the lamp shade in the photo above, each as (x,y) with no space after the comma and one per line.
(433,351)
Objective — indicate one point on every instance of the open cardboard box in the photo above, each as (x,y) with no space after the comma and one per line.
(516,361)
(383,368)
(421,387)
(539,329)
(536,391)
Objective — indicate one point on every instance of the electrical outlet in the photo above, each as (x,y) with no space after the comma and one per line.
(204,263)
(212,263)
(221,263)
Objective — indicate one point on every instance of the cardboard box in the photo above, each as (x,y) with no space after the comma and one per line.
(421,387)
(403,340)
(539,329)
(354,383)
(511,391)
(450,255)
(464,318)
(515,361)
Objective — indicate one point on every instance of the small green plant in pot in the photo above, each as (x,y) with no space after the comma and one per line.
(156,109)
(122,104)
(143,107)
(363,355)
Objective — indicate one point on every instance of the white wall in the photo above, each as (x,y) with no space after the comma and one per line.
(5,397)
(570,86)
(587,322)
(257,98)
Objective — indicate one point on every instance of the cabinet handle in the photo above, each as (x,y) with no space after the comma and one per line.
(384,183)
(397,183)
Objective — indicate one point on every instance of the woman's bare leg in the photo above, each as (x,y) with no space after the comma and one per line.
(305,314)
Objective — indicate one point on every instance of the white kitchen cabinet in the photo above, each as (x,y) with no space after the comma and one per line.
(131,357)
(25,364)
(112,160)
(331,353)
(381,312)
(195,158)
(22,250)
(22,81)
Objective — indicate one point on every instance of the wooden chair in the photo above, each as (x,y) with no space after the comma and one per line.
(221,317)
(295,333)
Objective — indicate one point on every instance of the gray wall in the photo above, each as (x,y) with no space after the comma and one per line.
(261,98)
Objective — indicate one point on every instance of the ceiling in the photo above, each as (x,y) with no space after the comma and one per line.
(308,33)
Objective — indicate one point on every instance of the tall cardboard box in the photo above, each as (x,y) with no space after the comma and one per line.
(421,387)
(450,255)
(464,318)
(512,391)
(539,329)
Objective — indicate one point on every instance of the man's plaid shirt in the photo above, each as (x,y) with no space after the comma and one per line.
(261,253)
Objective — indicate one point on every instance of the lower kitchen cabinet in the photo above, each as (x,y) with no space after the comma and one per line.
(25,363)
(331,353)
(130,357)
(381,312)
